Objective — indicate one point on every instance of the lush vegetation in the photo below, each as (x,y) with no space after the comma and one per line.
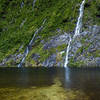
(92,13)
(13,33)
(19,20)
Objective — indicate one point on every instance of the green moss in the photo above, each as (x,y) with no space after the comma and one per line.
(75,64)
(92,12)
(96,53)
(61,47)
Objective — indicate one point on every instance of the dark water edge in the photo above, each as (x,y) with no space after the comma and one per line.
(49,83)
(26,77)
(42,76)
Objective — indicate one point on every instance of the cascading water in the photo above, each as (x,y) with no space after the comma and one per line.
(34,1)
(23,22)
(22,4)
(77,31)
(68,48)
(79,23)
(30,45)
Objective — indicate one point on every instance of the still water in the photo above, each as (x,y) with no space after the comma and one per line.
(49,84)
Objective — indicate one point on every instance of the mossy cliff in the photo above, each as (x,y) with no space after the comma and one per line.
(20,19)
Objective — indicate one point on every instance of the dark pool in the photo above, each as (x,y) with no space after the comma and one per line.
(49,84)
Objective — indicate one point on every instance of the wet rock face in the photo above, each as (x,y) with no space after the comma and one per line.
(35,56)
(85,50)
(55,59)
(56,41)
(50,62)
(97,61)
(11,59)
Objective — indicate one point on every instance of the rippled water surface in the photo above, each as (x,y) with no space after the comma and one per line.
(49,84)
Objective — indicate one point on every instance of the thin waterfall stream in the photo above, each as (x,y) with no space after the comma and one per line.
(68,48)
(34,1)
(26,52)
(77,31)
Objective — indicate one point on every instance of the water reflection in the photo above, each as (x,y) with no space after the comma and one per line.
(51,83)
(26,77)
(67,74)
(84,80)
(81,78)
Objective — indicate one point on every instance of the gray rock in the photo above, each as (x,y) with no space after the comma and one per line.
(96,29)
(50,62)
(59,64)
(14,59)
(56,41)
(35,56)
(97,61)
(90,45)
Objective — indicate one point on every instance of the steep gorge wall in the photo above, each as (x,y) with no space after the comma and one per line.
(18,24)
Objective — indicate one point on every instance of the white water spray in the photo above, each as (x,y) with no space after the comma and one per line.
(77,31)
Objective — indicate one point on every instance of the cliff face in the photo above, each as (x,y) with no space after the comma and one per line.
(85,50)
(20,20)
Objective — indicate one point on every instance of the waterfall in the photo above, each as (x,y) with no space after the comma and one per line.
(79,22)
(26,52)
(77,31)
(22,4)
(23,22)
(67,52)
(34,1)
